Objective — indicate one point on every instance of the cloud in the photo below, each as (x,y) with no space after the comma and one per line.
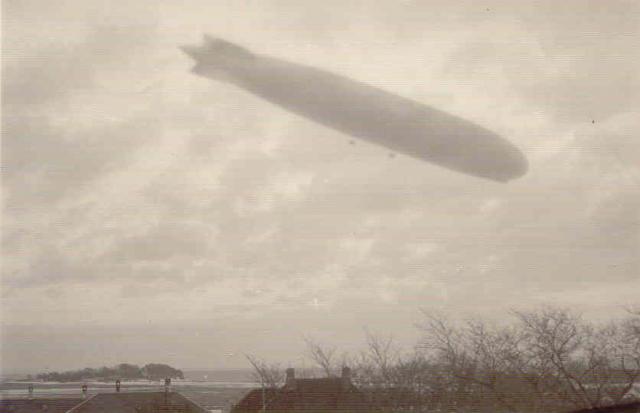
(40,75)
(567,65)
(137,194)
(57,137)
(164,242)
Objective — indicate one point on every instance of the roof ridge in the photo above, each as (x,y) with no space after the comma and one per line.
(81,403)
(189,400)
(179,400)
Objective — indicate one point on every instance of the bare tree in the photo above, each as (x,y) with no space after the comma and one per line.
(553,338)
(477,358)
(593,365)
(268,375)
(549,359)
(323,356)
(382,353)
(632,324)
(545,360)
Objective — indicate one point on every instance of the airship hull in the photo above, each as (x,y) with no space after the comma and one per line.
(364,111)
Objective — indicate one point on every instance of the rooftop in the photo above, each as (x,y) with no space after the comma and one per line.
(331,393)
(38,405)
(129,402)
(138,402)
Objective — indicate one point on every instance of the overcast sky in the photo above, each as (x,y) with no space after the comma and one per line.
(154,216)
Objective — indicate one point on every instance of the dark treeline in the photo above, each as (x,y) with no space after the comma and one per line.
(549,360)
(122,371)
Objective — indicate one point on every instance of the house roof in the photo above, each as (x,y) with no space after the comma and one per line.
(60,405)
(138,402)
(253,400)
(307,394)
(327,385)
(631,407)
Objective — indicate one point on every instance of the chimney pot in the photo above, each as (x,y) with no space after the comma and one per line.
(346,378)
(291,377)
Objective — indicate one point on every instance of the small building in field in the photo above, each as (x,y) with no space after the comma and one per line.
(331,394)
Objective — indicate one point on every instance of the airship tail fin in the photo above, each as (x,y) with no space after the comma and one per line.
(216,58)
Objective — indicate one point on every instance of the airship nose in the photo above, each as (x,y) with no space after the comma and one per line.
(522,168)
(514,166)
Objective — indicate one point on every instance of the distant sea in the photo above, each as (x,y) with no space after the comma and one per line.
(200,375)
(211,381)
(224,376)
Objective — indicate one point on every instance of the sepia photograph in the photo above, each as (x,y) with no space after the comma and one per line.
(320,206)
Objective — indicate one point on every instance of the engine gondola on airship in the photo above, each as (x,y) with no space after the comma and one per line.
(362,111)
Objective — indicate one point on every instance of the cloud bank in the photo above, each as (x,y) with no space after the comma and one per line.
(139,199)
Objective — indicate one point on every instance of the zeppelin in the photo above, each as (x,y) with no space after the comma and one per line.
(362,111)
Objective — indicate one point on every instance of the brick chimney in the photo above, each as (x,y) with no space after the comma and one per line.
(346,378)
(291,378)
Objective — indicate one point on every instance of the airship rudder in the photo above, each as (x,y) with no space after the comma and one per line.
(217,58)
